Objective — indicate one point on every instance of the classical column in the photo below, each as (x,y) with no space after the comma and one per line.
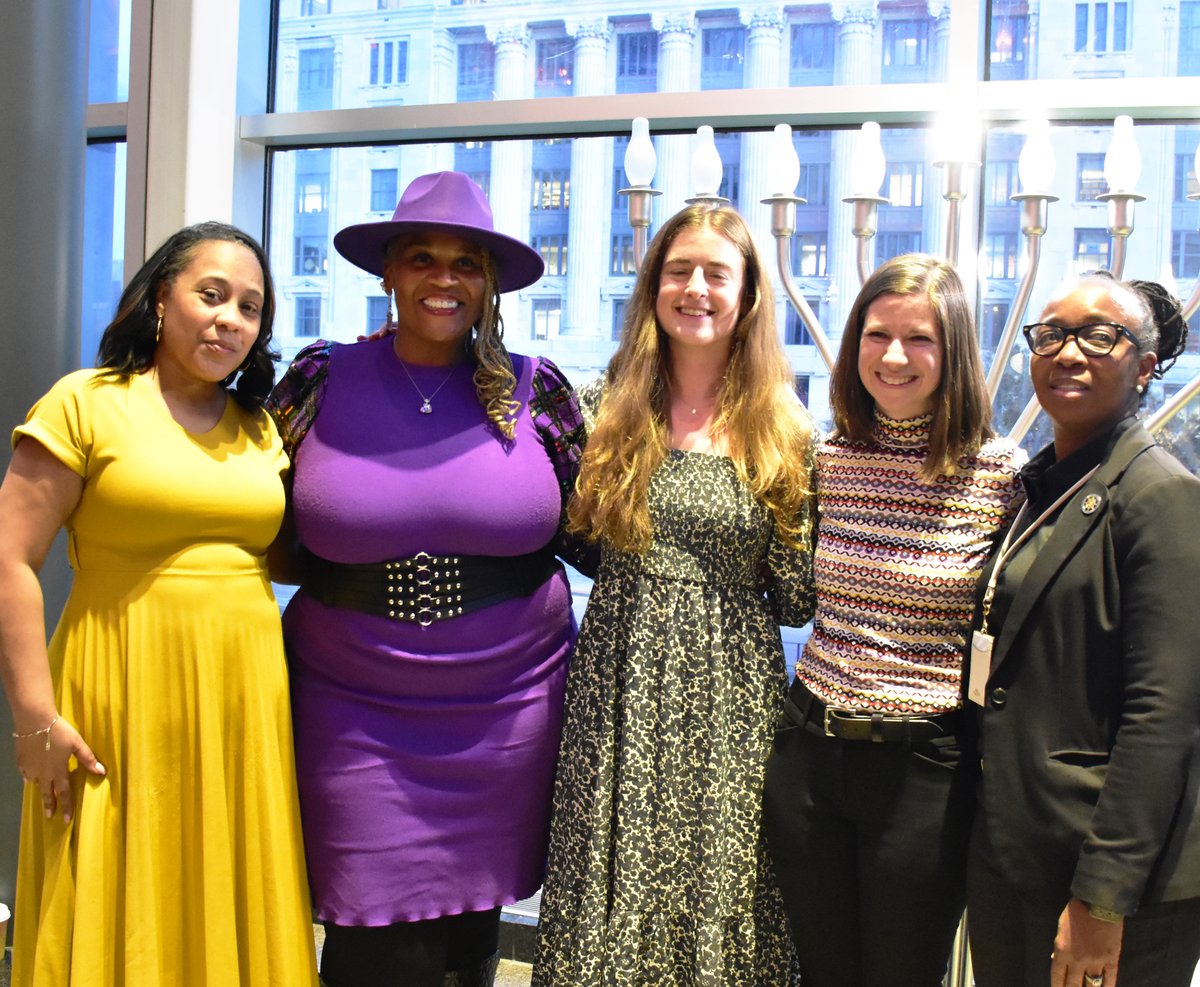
(43,94)
(443,83)
(939,50)
(676,42)
(588,233)
(511,160)
(764,42)
(855,63)
(936,213)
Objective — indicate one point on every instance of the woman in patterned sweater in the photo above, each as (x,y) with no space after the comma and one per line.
(869,793)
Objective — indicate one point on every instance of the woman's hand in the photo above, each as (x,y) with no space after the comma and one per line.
(1085,948)
(43,758)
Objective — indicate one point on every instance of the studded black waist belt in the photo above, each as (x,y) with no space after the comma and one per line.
(426,588)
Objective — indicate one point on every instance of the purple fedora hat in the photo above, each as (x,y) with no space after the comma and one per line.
(446,202)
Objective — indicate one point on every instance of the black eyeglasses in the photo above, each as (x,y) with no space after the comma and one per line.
(1096,339)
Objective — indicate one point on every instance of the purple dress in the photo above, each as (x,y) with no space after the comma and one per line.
(425,755)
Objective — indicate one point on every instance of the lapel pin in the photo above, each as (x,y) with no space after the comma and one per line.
(1091,504)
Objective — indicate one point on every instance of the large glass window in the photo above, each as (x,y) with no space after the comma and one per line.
(103,241)
(637,62)
(811,54)
(723,55)
(108,51)
(1189,37)
(315,89)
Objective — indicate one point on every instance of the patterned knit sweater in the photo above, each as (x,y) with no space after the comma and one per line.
(896,564)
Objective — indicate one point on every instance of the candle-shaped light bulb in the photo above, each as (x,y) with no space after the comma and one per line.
(1035,167)
(868,165)
(956,136)
(1122,160)
(706,164)
(640,160)
(783,163)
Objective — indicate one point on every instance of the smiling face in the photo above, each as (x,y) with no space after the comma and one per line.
(1085,396)
(211,313)
(700,289)
(439,284)
(900,354)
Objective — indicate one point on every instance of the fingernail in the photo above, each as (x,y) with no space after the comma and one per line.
(49,813)
(100,769)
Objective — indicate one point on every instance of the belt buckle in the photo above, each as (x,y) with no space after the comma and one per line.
(829,711)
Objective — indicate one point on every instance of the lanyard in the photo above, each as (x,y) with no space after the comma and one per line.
(1007,550)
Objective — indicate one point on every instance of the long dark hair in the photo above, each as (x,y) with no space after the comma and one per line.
(128,344)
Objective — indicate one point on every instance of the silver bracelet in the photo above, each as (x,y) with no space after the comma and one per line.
(37,733)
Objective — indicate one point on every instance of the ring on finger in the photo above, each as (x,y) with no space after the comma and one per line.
(1093,979)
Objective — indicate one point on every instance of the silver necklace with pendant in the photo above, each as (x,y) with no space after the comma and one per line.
(426,402)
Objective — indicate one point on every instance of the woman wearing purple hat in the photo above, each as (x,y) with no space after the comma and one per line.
(429,639)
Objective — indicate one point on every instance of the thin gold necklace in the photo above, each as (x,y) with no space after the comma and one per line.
(426,406)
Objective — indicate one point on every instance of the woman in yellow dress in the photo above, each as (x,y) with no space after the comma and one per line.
(160,838)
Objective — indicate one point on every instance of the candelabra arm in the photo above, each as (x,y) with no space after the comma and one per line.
(1120,225)
(803,309)
(639,198)
(1191,306)
(1117,259)
(1025,421)
(952,232)
(1171,407)
(866,221)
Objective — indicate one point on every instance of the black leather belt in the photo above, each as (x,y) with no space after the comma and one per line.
(802,708)
(426,588)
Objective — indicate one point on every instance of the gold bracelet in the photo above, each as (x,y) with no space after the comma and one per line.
(37,733)
(1105,914)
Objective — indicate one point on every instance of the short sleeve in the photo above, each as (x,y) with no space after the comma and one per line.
(60,421)
(295,400)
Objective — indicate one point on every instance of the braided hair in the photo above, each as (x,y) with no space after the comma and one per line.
(1163,330)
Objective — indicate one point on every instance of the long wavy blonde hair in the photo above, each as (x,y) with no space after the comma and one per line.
(766,431)
(493,377)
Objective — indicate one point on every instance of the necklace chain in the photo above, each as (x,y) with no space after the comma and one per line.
(426,406)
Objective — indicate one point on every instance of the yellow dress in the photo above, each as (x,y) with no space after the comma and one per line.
(184,865)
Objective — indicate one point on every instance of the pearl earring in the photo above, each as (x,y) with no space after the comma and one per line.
(1139,388)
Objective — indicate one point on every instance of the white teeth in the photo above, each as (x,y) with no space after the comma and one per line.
(694,311)
(895,380)
(441,303)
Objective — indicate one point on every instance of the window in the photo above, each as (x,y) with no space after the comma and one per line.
(1189,37)
(795,333)
(383,189)
(811,54)
(722,52)
(1010,43)
(991,328)
(387,62)
(905,183)
(809,254)
(377,313)
(1000,183)
(621,259)
(476,71)
(619,307)
(547,315)
(905,50)
(312,181)
(814,184)
(311,256)
(1091,250)
(308,316)
(308,8)
(1185,253)
(889,245)
(389,4)
(800,386)
(1186,181)
(637,62)
(553,248)
(1090,174)
(315,81)
(552,189)
(555,66)
(1101,26)
(1000,256)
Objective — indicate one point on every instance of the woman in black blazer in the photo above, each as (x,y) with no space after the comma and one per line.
(1085,860)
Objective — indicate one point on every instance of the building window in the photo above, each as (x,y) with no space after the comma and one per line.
(308,316)
(551,189)
(1091,250)
(814,184)
(905,50)
(1000,183)
(795,333)
(310,8)
(555,66)
(314,83)
(547,315)
(722,53)
(1185,253)
(619,307)
(1000,256)
(637,62)
(311,256)
(553,248)
(1010,45)
(377,313)
(383,189)
(995,315)
(800,386)
(476,71)
(1101,26)
(811,54)
(1186,180)
(889,245)
(905,183)
(621,259)
(312,181)
(389,4)
(387,62)
(809,251)
(1090,184)
(1189,37)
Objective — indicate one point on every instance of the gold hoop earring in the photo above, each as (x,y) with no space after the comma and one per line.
(158,331)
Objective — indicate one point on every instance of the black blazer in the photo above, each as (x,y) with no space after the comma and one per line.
(1091,729)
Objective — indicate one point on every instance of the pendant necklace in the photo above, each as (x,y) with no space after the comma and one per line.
(426,406)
